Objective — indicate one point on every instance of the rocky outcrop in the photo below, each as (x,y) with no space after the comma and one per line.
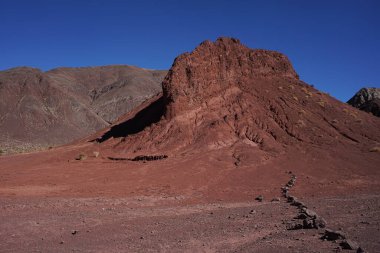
(309,219)
(225,93)
(368,100)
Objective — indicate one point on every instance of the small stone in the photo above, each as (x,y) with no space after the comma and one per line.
(259,198)
(294,226)
(291,199)
(309,212)
(360,250)
(61,242)
(74,232)
(298,203)
(348,244)
(332,235)
(276,199)
(302,216)
(319,222)
(308,223)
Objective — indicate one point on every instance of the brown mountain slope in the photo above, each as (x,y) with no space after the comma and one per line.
(55,107)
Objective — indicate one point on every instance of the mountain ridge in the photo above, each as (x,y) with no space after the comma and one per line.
(57,106)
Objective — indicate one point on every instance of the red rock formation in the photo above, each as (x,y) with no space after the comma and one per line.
(224,93)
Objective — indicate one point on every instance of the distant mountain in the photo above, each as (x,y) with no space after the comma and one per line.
(40,109)
(367,99)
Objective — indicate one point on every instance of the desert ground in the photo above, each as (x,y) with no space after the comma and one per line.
(51,204)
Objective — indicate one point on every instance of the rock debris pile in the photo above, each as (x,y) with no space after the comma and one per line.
(309,219)
(140,158)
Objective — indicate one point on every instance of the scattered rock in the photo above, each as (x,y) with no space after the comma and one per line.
(332,235)
(319,222)
(74,232)
(276,199)
(149,157)
(259,198)
(81,157)
(298,203)
(309,212)
(143,158)
(308,223)
(360,250)
(348,244)
(291,199)
(294,226)
(302,216)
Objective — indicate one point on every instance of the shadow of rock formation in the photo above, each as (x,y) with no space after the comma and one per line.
(144,118)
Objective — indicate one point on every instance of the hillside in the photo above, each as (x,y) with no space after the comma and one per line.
(224,93)
(41,109)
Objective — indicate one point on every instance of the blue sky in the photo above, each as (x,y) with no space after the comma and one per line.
(334,45)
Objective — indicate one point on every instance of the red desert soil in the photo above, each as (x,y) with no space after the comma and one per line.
(234,123)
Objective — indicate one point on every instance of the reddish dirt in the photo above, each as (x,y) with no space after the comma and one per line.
(230,133)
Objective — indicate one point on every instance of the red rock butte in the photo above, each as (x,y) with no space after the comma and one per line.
(224,93)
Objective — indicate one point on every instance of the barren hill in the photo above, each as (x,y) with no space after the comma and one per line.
(224,93)
(55,107)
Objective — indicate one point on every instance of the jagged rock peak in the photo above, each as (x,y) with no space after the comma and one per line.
(367,99)
(364,95)
(216,66)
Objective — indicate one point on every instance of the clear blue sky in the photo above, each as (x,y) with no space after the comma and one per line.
(334,45)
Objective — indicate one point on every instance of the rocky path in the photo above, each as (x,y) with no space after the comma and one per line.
(150,225)
(307,218)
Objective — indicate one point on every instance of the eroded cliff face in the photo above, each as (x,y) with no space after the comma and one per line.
(214,67)
(224,93)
